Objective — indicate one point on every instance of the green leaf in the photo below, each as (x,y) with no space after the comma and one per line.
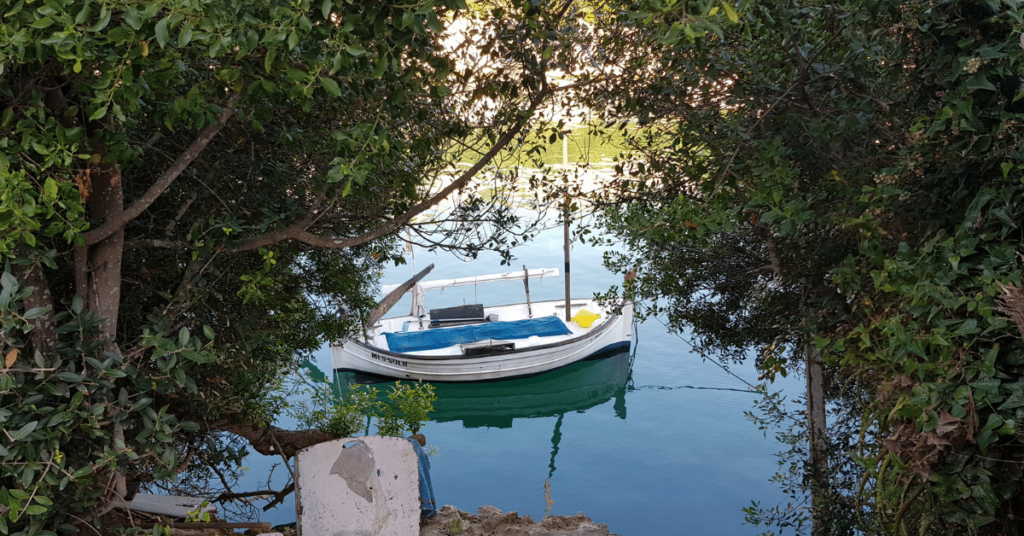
(208,331)
(131,16)
(183,336)
(355,50)
(197,357)
(331,86)
(161,31)
(141,404)
(293,40)
(8,281)
(729,11)
(433,23)
(42,23)
(979,81)
(268,60)
(169,457)
(35,510)
(325,9)
(98,114)
(50,188)
(1014,401)
(68,376)
(268,85)
(83,15)
(185,36)
(19,494)
(103,22)
(24,431)
(35,312)
(382,65)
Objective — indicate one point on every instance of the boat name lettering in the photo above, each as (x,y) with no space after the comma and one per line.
(387,359)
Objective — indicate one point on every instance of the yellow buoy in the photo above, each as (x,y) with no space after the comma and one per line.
(585,318)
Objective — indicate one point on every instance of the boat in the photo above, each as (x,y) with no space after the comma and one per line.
(479,342)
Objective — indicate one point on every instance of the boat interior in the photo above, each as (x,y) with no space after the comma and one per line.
(504,328)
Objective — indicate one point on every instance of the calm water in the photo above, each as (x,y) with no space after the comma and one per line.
(652,450)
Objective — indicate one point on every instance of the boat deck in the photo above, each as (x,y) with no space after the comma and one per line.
(511,312)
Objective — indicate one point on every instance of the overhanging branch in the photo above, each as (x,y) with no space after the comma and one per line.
(271,440)
(298,231)
(168,177)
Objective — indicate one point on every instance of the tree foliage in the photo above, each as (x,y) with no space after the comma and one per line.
(196,194)
(848,176)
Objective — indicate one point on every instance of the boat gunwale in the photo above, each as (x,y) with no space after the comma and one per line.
(603,353)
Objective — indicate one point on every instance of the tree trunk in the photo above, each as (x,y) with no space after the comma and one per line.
(104,258)
(817,435)
(44,336)
(103,266)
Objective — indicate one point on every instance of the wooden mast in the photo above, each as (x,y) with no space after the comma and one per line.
(568,298)
(526,281)
(568,206)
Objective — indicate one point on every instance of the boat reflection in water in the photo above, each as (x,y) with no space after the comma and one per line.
(576,387)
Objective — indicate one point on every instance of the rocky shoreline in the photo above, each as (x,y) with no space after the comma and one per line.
(490,521)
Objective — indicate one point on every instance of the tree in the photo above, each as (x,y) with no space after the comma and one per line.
(839,186)
(194,194)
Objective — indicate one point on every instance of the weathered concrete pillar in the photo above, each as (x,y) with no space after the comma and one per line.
(366,486)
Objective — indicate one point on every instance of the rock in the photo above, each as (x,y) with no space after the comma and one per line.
(511,531)
(491,521)
(488,512)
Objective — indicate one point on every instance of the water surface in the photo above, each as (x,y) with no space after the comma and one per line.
(652,443)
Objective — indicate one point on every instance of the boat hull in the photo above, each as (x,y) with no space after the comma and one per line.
(612,336)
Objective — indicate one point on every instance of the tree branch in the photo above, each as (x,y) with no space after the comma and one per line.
(263,438)
(297,231)
(280,496)
(155,243)
(112,225)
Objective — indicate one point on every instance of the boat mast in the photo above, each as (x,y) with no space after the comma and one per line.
(526,281)
(568,313)
(565,226)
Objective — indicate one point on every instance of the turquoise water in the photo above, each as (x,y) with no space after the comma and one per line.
(650,450)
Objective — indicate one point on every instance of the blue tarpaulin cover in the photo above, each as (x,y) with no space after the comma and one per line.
(433,339)
(428,506)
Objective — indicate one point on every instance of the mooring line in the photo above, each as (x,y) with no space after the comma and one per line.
(670,388)
(762,390)
(702,356)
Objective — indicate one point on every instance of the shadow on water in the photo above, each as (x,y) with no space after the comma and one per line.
(574,388)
